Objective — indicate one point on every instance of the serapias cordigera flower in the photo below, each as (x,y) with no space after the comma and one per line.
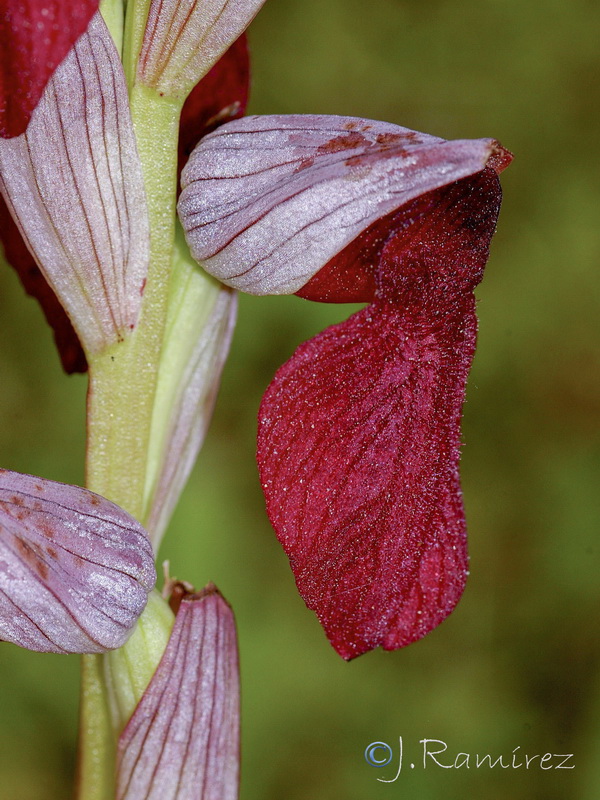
(359,432)
(36,37)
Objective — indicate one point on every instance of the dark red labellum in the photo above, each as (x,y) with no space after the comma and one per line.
(359,432)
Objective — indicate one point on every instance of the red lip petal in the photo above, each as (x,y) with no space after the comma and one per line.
(359,433)
(350,276)
(358,452)
(35,36)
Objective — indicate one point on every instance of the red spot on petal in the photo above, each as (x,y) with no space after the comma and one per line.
(339,143)
(47,530)
(391,138)
(305,163)
(30,555)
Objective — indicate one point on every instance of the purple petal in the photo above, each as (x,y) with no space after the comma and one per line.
(268,201)
(182,742)
(34,283)
(184,40)
(75,569)
(74,185)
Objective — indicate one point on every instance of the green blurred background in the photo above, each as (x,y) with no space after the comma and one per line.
(516,665)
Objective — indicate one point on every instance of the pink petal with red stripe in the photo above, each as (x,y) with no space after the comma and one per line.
(267,202)
(182,742)
(20,259)
(221,96)
(183,41)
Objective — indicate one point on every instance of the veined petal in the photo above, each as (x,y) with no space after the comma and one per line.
(268,201)
(200,321)
(184,39)
(35,36)
(74,185)
(182,742)
(359,433)
(75,569)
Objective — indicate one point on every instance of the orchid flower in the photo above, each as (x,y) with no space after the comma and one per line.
(358,441)
(84,250)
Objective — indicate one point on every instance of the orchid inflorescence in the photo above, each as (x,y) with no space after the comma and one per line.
(359,432)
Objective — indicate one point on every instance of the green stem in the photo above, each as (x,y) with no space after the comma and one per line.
(96,753)
(123,378)
(121,401)
(133,35)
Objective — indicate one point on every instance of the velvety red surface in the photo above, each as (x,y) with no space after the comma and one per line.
(35,36)
(359,432)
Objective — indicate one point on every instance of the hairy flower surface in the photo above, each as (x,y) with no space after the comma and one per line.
(74,223)
(221,95)
(183,41)
(358,442)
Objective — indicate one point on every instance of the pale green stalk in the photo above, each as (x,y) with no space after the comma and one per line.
(121,402)
(123,378)
(96,746)
(128,670)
